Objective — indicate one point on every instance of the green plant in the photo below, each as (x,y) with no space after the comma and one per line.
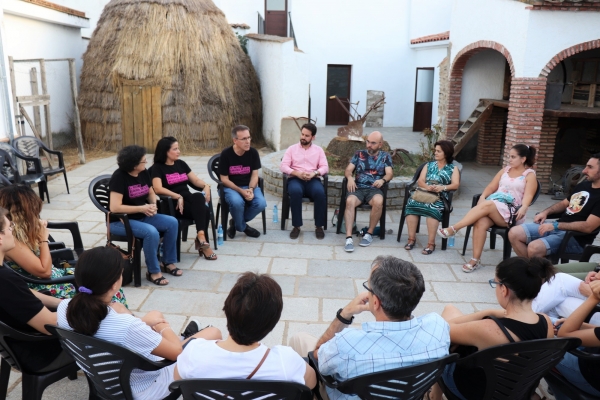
(428,146)
(243,42)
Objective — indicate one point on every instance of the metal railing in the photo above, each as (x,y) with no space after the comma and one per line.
(261,24)
(292,34)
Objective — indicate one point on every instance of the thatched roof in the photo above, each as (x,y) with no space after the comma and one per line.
(188,49)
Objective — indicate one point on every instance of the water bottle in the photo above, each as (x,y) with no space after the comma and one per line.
(275,216)
(204,194)
(220,236)
(451,241)
(160,251)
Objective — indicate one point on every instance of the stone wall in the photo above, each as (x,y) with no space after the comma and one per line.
(375,118)
(444,91)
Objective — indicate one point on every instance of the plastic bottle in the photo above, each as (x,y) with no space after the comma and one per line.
(160,251)
(275,214)
(220,236)
(451,241)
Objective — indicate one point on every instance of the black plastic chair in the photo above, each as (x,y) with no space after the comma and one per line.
(213,171)
(340,217)
(285,200)
(589,365)
(33,383)
(35,175)
(512,371)
(562,254)
(58,251)
(29,146)
(4,181)
(239,389)
(498,230)
(107,366)
(407,383)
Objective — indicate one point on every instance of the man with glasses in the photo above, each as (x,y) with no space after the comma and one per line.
(238,170)
(373,169)
(395,339)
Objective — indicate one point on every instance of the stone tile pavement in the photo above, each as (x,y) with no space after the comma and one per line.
(317,277)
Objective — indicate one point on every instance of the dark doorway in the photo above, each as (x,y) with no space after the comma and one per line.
(338,84)
(276,17)
(423,99)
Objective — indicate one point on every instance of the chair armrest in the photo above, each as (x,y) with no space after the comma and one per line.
(166,205)
(38,281)
(584,355)
(72,227)
(128,230)
(36,161)
(588,251)
(326,379)
(261,184)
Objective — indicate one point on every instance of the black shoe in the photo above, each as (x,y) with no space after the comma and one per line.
(250,231)
(190,330)
(231,229)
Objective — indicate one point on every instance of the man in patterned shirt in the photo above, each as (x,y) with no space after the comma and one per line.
(373,170)
(396,339)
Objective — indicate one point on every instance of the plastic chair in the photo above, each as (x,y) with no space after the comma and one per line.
(29,146)
(58,251)
(107,366)
(4,181)
(285,200)
(213,171)
(512,371)
(33,382)
(589,365)
(406,383)
(8,158)
(498,230)
(239,389)
(363,206)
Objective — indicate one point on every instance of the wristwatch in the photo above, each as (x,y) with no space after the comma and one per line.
(342,319)
(555,223)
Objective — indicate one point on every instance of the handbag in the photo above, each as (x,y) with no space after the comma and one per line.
(425,196)
(127,257)
(509,201)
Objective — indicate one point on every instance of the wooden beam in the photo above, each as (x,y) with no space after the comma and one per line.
(592,95)
(37,116)
(47,106)
(156,114)
(24,99)
(76,117)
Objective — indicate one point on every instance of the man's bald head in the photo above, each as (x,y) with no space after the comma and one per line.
(374,142)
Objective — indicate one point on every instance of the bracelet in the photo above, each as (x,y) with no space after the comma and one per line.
(342,319)
(43,241)
(166,327)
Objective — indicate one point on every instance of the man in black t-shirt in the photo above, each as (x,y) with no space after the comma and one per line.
(238,169)
(581,213)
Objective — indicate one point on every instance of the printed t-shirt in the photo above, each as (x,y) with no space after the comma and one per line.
(239,168)
(370,168)
(173,177)
(584,201)
(135,189)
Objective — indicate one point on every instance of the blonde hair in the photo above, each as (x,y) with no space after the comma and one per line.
(24,207)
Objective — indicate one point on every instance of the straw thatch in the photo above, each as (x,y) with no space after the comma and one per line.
(188,49)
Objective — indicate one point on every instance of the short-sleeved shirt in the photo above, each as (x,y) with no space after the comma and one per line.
(17,307)
(127,331)
(205,359)
(135,189)
(239,168)
(584,201)
(173,177)
(370,168)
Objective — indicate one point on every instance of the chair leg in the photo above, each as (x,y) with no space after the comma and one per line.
(340,219)
(382,223)
(178,241)
(285,209)
(4,377)
(492,241)
(467,233)
(66,181)
(137,264)
(214,231)
(264,218)
(444,244)
(506,247)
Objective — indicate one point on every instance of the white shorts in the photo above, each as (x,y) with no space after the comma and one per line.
(160,387)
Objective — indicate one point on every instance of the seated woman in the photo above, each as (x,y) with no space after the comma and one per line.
(170,177)
(252,309)
(31,254)
(507,196)
(438,176)
(98,274)
(517,283)
(131,193)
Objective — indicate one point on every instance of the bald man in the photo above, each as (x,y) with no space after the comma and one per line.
(373,170)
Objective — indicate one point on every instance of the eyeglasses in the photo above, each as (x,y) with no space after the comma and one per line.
(246,139)
(494,283)
(368,288)
(10,227)
(372,143)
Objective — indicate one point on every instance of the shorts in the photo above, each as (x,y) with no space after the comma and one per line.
(365,195)
(551,239)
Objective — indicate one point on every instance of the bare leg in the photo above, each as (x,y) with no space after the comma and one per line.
(432,226)
(518,240)
(351,203)
(485,209)
(377,204)
(536,248)
(411,224)
(480,235)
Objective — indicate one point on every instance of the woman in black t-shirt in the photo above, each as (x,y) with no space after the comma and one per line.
(170,177)
(131,193)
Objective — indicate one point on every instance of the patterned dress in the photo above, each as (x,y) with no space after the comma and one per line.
(514,187)
(433,176)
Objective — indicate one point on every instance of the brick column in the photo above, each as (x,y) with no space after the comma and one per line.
(546,151)
(489,144)
(454,93)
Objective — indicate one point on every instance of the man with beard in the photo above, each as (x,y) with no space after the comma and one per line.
(305,162)
(581,213)
(373,170)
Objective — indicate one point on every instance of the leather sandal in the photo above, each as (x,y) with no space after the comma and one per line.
(157,281)
(211,257)
(429,249)
(468,267)
(174,271)
(445,232)
(410,244)
(201,245)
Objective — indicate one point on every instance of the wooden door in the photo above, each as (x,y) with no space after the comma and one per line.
(141,116)
(423,99)
(338,84)
(276,17)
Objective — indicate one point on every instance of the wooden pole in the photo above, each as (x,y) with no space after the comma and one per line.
(76,118)
(37,119)
(46,107)
(13,84)
(36,134)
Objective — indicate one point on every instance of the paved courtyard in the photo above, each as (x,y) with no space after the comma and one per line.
(317,276)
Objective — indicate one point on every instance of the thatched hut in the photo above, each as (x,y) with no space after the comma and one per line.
(157,68)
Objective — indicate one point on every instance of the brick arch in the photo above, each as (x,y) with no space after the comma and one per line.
(456,78)
(566,53)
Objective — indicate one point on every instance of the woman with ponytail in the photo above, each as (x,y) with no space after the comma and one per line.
(517,282)
(504,201)
(98,274)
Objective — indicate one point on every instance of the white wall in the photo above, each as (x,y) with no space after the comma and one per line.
(242,11)
(427,57)
(91,8)
(7,127)
(429,17)
(483,78)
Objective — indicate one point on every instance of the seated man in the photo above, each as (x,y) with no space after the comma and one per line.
(373,170)
(396,339)
(238,170)
(581,213)
(305,162)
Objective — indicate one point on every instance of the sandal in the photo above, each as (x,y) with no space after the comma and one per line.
(429,249)
(211,257)
(201,245)
(410,244)
(468,267)
(174,271)
(445,232)
(157,281)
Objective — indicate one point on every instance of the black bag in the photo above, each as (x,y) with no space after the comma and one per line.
(127,258)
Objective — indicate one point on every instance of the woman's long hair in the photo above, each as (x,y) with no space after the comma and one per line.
(96,272)
(162,148)
(24,208)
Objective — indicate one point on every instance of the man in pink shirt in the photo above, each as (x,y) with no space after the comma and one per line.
(305,162)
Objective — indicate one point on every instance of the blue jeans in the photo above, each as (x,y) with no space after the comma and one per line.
(448,377)
(148,229)
(551,239)
(241,210)
(569,368)
(298,188)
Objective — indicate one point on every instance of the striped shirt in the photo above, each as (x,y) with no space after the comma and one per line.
(381,346)
(127,331)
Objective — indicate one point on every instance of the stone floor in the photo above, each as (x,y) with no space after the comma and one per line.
(317,277)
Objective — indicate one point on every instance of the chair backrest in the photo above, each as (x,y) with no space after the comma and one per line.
(7,164)
(213,168)
(240,389)
(108,366)
(417,174)
(589,365)
(6,351)
(99,193)
(512,371)
(28,146)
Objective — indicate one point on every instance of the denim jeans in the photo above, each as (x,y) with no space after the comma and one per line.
(569,368)
(551,240)
(241,210)
(148,229)
(298,188)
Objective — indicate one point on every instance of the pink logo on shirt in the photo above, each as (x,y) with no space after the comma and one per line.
(239,170)
(175,178)
(138,191)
